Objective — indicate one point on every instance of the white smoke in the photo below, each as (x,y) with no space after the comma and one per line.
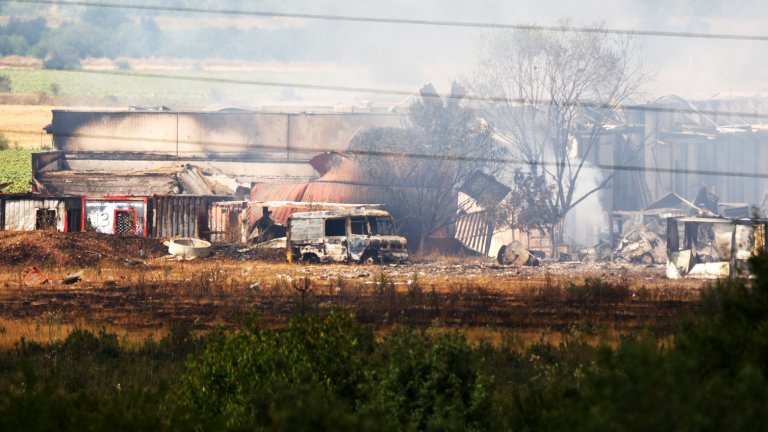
(584,222)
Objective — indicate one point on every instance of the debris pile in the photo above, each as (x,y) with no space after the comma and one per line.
(245,252)
(642,246)
(51,248)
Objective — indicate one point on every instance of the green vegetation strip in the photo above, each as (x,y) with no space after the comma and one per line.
(137,89)
(16,168)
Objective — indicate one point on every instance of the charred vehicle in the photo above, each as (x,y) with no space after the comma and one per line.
(364,236)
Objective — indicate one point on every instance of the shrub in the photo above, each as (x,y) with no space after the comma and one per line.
(234,380)
(430,384)
(596,291)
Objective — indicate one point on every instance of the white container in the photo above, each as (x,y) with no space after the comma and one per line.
(189,248)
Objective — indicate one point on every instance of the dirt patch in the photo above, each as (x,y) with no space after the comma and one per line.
(50,248)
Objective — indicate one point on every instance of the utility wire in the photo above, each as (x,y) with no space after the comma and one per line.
(404,21)
(245,148)
(398,92)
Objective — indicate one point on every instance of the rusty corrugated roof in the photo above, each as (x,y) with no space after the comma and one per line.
(344,183)
(278,192)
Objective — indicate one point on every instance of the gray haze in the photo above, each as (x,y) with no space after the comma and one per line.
(406,56)
(403,55)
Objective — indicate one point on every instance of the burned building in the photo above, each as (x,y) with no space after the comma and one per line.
(156,173)
(245,146)
(722,144)
(29,212)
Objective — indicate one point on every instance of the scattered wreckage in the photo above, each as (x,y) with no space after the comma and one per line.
(641,246)
(712,247)
(357,235)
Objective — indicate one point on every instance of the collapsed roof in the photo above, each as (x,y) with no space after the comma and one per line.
(187,179)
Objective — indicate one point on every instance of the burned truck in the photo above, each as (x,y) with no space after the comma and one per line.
(356,235)
(712,247)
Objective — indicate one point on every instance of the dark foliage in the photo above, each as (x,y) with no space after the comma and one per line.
(326,372)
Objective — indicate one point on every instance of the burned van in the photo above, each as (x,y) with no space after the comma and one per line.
(358,235)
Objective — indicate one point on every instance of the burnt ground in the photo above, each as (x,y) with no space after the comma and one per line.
(50,248)
(119,289)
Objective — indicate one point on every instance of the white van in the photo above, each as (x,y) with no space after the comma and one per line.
(358,235)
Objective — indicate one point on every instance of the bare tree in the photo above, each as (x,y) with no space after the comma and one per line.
(553,94)
(421,168)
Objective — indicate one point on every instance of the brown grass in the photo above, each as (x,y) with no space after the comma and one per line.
(493,306)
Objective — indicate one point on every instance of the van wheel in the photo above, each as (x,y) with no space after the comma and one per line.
(310,259)
(646,259)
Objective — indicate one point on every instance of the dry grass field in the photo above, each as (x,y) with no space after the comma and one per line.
(23,125)
(136,297)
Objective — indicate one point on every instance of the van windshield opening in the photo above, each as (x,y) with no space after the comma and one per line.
(381,225)
(359,225)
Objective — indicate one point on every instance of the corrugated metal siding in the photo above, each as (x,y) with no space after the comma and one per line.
(474,232)
(21,214)
(226,221)
(179,216)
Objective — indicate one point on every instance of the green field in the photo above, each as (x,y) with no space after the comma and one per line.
(196,88)
(16,167)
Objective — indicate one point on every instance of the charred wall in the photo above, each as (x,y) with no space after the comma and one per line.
(225,135)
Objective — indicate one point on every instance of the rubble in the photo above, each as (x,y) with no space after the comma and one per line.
(72,278)
(33,277)
(45,248)
(712,248)
(599,252)
(643,246)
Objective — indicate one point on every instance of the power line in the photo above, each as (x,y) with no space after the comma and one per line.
(398,92)
(237,155)
(404,21)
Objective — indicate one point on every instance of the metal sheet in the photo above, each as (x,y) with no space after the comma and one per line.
(100,215)
(21,214)
(181,216)
(473,231)
(307,229)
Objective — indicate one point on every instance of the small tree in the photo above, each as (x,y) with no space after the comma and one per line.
(421,168)
(528,206)
(553,94)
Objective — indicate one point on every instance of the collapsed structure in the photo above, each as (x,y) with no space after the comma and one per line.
(215,174)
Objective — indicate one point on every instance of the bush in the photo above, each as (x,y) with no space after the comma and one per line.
(63,57)
(713,378)
(430,384)
(234,381)
(596,291)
